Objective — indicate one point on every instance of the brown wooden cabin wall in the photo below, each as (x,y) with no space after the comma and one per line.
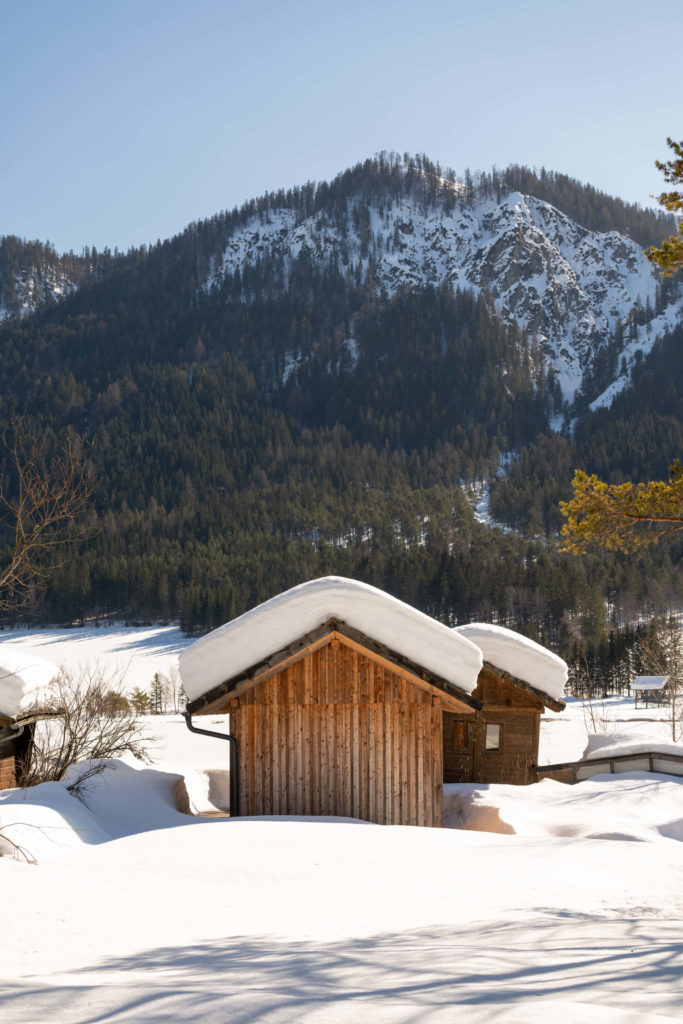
(338,733)
(13,753)
(8,778)
(517,713)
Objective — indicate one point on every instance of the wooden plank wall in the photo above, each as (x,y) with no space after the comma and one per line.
(518,714)
(337,733)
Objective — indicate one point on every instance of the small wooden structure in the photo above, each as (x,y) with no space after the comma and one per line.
(16,738)
(339,724)
(498,744)
(345,701)
(651,687)
(24,682)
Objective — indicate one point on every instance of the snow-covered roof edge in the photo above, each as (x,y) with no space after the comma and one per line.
(649,682)
(24,679)
(519,656)
(271,626)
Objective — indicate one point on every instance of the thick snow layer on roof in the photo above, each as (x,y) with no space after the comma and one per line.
(518,655)
(23,679)
(649,682)
(617,744)
(271,626)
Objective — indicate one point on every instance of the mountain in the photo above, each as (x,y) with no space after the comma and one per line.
(568,289)
(312,383)
(33,275)
(588,299)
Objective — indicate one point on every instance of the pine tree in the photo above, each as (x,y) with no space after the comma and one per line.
(669,256)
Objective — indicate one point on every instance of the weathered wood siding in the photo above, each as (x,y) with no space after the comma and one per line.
(518,715)
(339,733)
(8,778)
(13,752)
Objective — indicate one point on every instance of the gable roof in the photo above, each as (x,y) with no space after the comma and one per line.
(649,682)
(535,667)
(268,629)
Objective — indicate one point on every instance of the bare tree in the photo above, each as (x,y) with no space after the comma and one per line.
(93,720)
(42,500)
(174,690)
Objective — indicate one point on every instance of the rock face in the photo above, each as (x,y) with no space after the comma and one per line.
(568,288)
(587,302)
(32,274)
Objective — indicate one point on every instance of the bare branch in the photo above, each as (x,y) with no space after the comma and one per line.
(96,721)
(42,500)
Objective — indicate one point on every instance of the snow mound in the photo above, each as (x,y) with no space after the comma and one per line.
(45,821)
(24,679)
(633,807)
(271,626)
(127,800)
(518,655)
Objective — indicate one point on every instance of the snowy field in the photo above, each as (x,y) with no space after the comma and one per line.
(126,653)
(544,903)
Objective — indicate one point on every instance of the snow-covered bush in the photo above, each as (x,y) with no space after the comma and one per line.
(91,719)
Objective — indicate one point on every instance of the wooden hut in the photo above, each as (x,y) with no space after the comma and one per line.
(24,680)
(336,694)
(519,680)
(16,739)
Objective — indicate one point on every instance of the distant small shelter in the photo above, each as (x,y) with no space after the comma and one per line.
(518,681)
(336,693)
(650,688)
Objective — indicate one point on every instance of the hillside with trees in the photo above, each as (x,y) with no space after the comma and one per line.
(256,427)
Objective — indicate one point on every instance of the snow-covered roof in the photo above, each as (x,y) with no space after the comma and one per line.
(618,744)
(24,678)
(649,682)
(270,627)
(518,655)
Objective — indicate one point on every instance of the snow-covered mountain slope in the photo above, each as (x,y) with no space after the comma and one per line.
(34,288)
(32,274)
(568,288)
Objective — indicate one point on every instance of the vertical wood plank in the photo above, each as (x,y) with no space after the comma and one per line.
(396,765)
(249,711)
(324,756)
(290,744)
(437,772)
(267,750)
(257,714)
(421,755)
(385,763)
(403,743)
(276,712)
(300,753)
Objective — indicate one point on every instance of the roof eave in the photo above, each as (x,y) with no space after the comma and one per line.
(295,650)
(553,703)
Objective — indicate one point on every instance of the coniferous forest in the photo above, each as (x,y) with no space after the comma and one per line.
(248,433)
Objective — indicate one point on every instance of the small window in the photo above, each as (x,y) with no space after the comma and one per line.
(492,737)
(461,736)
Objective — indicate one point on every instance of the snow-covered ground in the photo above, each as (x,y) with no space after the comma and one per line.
(126,653)
(569,909)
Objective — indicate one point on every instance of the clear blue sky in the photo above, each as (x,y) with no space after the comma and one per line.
(121,122)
